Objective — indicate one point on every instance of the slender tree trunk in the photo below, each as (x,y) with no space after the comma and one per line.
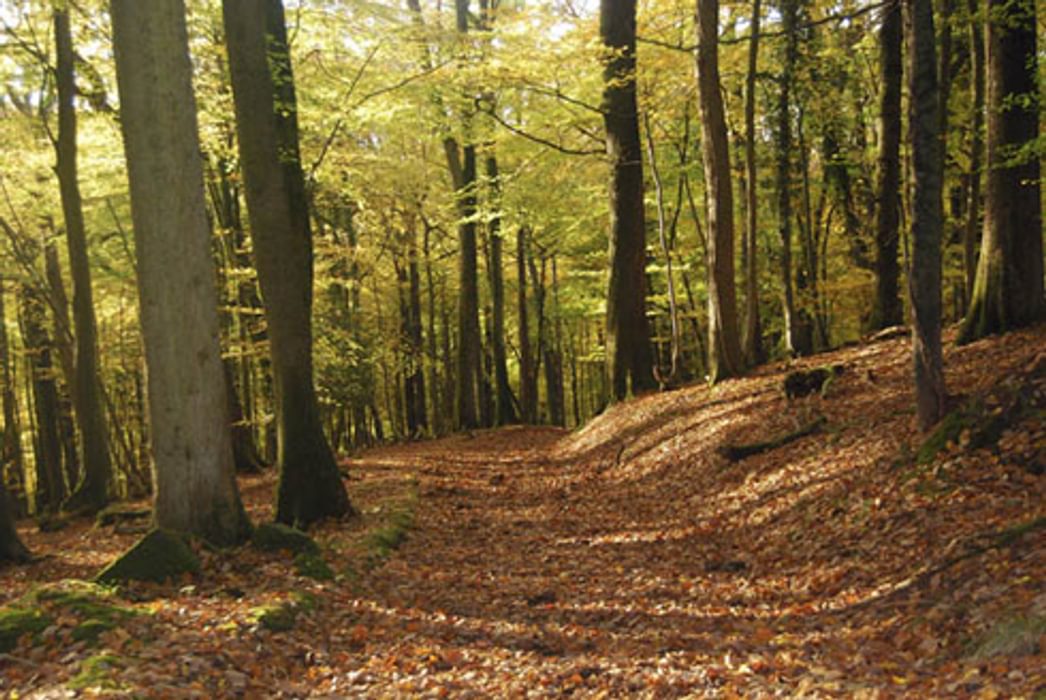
(11,448)
(50,489)
(528,394)
(195,483)
(1008,290)
(888,310)
(469,352)
(93,492)
(62,342)
(795,337)
(433,383)
(925,282)
(629,356)
(973,204)
(724,349)
(417,340)
(506,402)
(752,342)
(310,486)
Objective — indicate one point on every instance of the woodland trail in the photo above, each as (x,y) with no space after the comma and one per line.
(632,559)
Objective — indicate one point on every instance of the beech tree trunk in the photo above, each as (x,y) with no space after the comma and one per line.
(925,281)
(195,483)
(724,348)
(92,493)
(310,486)
(11,547)
(506,402)
(752,342)
(10,448)
(1008,290)
(973,204)
(888,310)
(630,360)
(528,390)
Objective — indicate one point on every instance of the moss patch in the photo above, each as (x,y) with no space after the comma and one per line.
(158,556)
(97,672)
(275,537)
(16,622)
(1018,636)
(276,618)
(313,566)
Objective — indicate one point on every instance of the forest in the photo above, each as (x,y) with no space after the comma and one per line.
(522,348)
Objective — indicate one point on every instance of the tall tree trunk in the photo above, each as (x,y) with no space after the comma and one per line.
(433,381)
(888,310)
(973,204)
(752,342)
(50,486)
(629,356)
(62,342)
(469,352)
(724,348)
(417,340)
(1008,290)
(796,337)
(925,281)
(192,454)
(11,547)
(506,402)
(310,486)
(528,394)
(93,491)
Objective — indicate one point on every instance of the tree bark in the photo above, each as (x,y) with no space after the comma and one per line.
(973,204)
(11,547)
(310,486)
(93,491)
(925,281)
(11,448)
(506,402)
(629,356)
(888,310)
(724,348)
(1008,290)
(195,483)
(752,341)
(528,391)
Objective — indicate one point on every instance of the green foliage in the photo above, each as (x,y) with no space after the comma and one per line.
(96,673)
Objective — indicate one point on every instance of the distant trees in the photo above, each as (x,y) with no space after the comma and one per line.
(1008,290)
(195,488)
(629,356)
(310,486)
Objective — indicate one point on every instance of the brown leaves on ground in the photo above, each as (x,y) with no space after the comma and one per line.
(631,558)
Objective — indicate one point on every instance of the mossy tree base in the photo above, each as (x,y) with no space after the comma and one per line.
(274,537)
(158,556)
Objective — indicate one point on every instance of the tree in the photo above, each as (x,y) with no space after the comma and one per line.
(1008,290)
(629,357)
(752,342)
(888,311)
(93,491)
(724,349)
(11,547)
(310,486)
(925,281)
(192,453)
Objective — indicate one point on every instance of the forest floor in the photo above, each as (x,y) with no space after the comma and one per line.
(628,558)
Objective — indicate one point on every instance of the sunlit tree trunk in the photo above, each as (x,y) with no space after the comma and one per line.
(752,342)
(629,357)
(888,310)
(310,486)
(195,482)
(93,491)
(925,280)
(528,390)
(973,204)
(1008,290)
(506,408)
(724,349)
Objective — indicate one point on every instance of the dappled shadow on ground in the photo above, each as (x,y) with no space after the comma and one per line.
(631,558)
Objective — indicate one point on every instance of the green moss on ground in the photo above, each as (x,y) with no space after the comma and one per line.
(17,622)
(1017,636)
(158,556)
(276,618)
(313,566)
(96,672)
(275,537)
